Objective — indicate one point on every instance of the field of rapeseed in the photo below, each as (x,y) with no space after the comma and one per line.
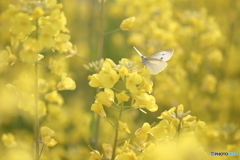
(73,87)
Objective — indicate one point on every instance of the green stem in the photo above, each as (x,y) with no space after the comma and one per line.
(116,133)
(101,31)
(96,122)
(112,31)
(36,120)
(41,151)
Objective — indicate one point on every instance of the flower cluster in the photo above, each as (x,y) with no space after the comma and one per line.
(175,137)
(125,82)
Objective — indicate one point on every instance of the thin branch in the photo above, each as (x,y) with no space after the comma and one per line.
(106,33)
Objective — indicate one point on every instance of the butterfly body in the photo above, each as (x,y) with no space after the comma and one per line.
(156,62)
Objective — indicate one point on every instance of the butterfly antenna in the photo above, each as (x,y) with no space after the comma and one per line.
(137,51)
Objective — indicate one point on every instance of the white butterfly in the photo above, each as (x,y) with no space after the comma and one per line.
(156,62)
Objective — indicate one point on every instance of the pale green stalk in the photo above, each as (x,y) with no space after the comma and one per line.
(101,31)
(116,133)
(100,53)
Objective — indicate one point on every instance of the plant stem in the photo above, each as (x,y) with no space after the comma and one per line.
(94,138)
(101,31)
(116,133)
(36,120)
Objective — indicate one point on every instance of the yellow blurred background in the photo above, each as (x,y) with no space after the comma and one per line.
(203,73)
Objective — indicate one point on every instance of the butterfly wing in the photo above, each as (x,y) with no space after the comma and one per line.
(154,65)
(163,55)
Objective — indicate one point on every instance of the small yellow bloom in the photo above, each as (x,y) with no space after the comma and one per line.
(98,108)
(168,114)
(142,133)
(94,81)
(57,66)
(144,100)
(127,23)
(123,71)
(108,76)
(200,125)
(38,12)
(132,80)
(47,134)
(22,24)
(122,97)
(54,97)
(62,43)
(106,98)
(164,129)
(146,84)
(46,36)
(107,148)
(66,83)
(8,140)
(31,48)
(95,155)
(123,127)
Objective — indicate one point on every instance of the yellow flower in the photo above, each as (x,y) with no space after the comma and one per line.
(66,83)
(142,133)
(108,76)
(58,21)
(132,80)
(38,12)
(95,155)
(54,97)
(168,115)
(8,140)
(163,129)
(200,125)
(106,98)
(31,48)
(46,36)
(98,108)
(22,24)
(123,71)
(57,66)
(144,100)
(127,23)
(62,43)
(94,81)
(123,127)
(146,84)
(107,148)
(122,97)
(47,134)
